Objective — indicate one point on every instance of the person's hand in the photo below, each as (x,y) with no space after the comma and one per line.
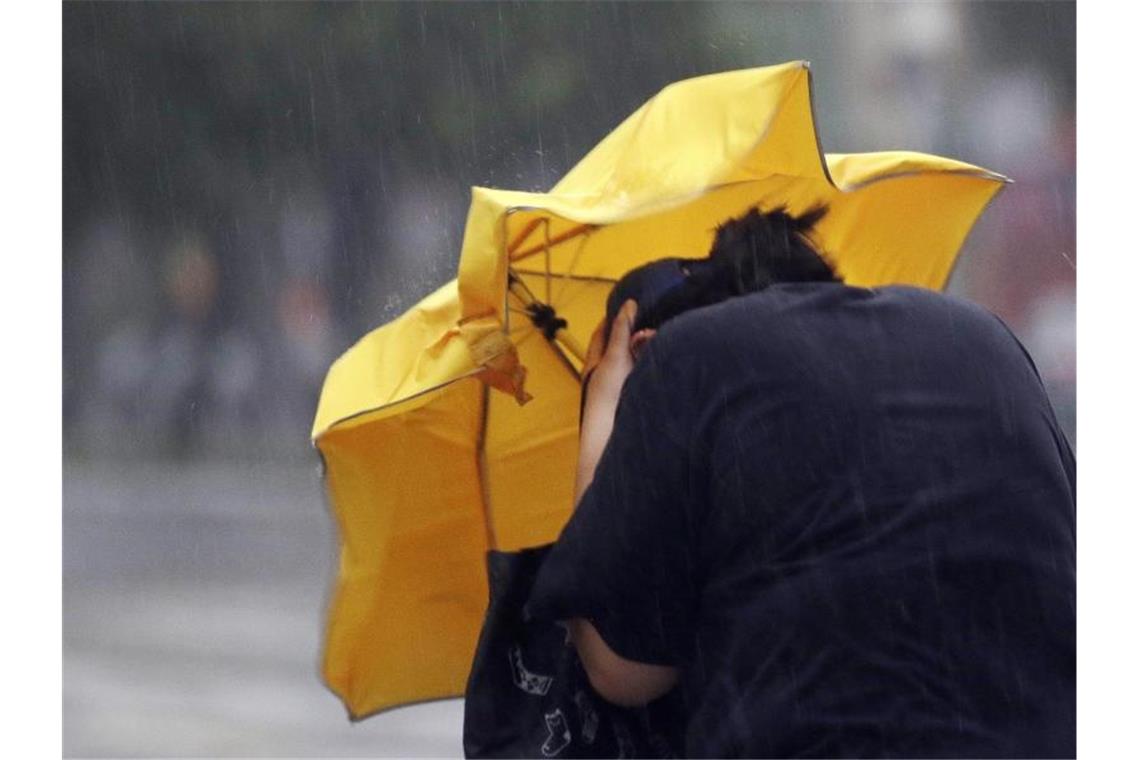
(609,365)
(612,362)
(606,368)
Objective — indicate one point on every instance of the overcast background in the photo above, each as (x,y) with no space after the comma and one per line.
(248,188)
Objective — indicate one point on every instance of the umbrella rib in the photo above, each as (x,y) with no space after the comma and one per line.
(481,463)
(557,345)
(570,234)
(396,402)
(516,284)
(573,264)
(546,254)
(577,277)
(524,235)
(984,174)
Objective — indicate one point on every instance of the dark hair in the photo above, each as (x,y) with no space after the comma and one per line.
(748,254)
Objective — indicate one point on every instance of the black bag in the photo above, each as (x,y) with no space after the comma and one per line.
(528,695)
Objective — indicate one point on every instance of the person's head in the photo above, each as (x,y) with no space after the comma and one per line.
(749,253)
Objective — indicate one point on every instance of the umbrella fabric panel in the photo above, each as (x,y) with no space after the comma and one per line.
(404,359)
(923,219)
(788,146)
(849,171)
(531,493)
(905,229)
(531,451)
(688,137)
(407,606)
(686,230)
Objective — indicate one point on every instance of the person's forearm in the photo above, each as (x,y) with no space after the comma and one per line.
(616,679)
(607,367)
(597,425)
(620,681)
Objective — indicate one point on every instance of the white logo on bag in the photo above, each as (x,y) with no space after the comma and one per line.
(531,683)
(588,715)
(559,737)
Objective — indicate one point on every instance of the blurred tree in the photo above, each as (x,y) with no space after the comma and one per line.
(212,124)
(183,116)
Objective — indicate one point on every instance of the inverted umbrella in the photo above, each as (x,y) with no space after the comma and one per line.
(453,429)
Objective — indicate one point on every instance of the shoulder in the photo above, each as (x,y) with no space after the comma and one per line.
(819,319)
(772,308)
(961,319)
(760,317)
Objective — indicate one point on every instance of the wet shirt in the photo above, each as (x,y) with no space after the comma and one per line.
(847,517)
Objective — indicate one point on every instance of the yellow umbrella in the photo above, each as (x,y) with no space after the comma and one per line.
(428,464)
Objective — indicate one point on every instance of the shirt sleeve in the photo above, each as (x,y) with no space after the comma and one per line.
(626,559)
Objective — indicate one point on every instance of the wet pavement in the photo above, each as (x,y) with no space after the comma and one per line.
(193,605)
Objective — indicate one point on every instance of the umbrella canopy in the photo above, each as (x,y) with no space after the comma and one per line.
(453,429)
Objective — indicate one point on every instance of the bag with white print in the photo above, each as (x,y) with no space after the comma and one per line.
(528,695)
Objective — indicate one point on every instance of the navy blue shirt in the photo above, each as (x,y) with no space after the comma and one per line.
(847,516)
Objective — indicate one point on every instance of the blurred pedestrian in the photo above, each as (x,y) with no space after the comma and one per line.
(179,385)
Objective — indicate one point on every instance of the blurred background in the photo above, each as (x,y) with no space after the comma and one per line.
(248,188)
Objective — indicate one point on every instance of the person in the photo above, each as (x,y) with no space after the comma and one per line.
(834,521)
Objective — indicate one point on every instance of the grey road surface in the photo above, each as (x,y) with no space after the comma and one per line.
(193,601)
